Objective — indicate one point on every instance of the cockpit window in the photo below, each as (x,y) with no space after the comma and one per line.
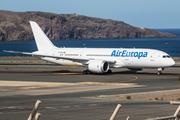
(166,56)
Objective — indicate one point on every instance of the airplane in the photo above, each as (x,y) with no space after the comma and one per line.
(97,60)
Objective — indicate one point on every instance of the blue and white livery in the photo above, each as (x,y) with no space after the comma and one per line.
(98,60)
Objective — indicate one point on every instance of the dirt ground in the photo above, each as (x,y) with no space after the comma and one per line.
(169,95)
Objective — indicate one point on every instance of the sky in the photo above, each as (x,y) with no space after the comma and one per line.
(154,14)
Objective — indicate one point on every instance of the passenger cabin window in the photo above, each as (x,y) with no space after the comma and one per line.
(166,56)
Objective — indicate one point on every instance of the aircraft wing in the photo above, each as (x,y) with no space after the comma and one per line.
(58,57)
(26,53)
(44,55)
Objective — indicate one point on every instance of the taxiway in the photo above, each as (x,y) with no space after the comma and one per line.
(66,92)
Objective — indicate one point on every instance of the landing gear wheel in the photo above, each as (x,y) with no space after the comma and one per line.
(109,71)
(85,72)
(159,72)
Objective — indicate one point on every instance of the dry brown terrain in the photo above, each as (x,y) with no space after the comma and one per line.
(169,95)
(15,26)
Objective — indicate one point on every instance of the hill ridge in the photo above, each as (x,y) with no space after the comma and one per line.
(15,26)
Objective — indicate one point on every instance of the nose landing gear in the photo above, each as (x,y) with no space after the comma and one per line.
(160,71)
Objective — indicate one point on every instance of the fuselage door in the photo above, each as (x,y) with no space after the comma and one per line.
(152,57)
(82,54)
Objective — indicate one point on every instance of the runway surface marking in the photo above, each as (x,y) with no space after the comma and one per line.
(75,84)
(27,83)
(135,78)
(35,85)
(51,108)
(66,73)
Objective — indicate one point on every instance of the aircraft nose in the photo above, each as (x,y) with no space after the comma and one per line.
(171,62)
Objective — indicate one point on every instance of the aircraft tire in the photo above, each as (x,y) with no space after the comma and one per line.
(109,71)
(85,72)
(159,72)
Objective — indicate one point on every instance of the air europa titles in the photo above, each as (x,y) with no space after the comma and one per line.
(126,53)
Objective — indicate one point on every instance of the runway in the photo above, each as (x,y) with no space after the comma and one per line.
(66,92)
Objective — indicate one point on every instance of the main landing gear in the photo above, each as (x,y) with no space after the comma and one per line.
(109,71)
(160,71)
(86,72)
(89,72)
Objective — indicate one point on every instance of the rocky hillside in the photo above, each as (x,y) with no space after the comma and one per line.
(15,26)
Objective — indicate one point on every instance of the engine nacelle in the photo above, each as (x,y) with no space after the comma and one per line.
(98,66)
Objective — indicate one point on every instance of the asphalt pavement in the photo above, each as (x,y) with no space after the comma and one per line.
(66,93)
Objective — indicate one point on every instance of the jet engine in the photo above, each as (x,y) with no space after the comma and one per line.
(98,66)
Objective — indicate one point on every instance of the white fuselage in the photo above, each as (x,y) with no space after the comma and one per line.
(117,57)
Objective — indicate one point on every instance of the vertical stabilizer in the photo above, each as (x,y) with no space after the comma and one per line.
(42,41)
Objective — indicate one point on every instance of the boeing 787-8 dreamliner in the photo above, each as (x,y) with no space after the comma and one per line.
(98,60)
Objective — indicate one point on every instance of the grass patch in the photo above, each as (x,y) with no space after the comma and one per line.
(128,97)
(121,97)
(156,98)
